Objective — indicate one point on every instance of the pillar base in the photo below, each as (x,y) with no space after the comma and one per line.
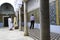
(26,34)
(26,31)
(16,27)
(20,28)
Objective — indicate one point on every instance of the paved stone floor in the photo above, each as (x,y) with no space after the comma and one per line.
(35,34)
(6,34)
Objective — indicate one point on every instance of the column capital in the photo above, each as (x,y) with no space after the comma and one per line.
(25,0)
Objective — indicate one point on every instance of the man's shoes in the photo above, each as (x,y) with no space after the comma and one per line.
(30,27)
(33,28)
(11,29)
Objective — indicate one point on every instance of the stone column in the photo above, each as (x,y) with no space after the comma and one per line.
(44,20)
(15,22)
(20,28)
(17,17)
(25,20)
(57,15)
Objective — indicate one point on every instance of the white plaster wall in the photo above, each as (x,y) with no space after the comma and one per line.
(14,3)
(51,1)
(33,4)
(7,1)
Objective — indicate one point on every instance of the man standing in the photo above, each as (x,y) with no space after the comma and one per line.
(10,23)
(32,19)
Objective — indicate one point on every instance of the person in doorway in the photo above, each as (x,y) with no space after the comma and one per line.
(10,23)
(32,19)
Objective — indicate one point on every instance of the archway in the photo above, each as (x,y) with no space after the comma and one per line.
(6,11)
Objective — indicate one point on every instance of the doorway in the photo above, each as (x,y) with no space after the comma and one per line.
(6,21)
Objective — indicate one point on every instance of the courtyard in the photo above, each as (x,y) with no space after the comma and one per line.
(6,34)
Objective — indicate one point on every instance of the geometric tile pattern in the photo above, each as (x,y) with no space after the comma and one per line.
(52,11)
(36,34)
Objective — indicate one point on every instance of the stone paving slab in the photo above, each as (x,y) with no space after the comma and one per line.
(6,34)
